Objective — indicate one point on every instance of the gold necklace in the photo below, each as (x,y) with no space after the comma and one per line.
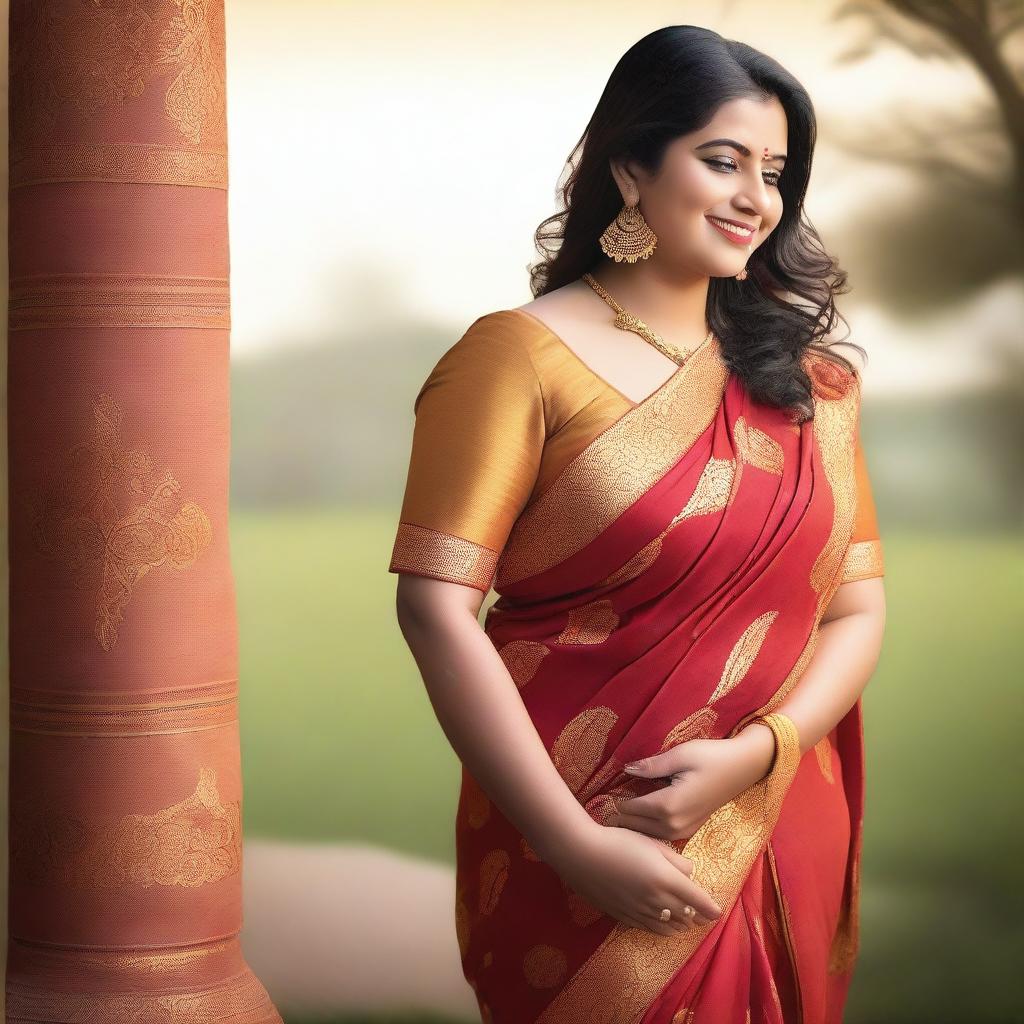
(627,322)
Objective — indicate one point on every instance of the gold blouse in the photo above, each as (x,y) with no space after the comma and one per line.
(501,414)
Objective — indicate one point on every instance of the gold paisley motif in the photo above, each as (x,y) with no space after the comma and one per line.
(581,912)
(684,1016)
(698,725)
(111,518)
(710,494)
(577,751)
(590,623)
(544,966)
(642,560)
(756,448)
(494,870)
(188,844)
(823,751)
(712,491)
(528,851)
(742,656)
(522,658)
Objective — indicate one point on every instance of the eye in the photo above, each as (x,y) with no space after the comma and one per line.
(723,165)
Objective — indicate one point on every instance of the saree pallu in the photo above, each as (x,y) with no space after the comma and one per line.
(669,585)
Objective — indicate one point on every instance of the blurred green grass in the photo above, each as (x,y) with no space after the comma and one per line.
(339,741)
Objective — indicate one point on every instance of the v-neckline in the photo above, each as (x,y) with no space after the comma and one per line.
(633,403)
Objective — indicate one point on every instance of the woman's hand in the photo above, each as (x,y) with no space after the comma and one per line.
(702,776)
(632,878)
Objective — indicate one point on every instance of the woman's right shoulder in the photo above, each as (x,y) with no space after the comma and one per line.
(494,354)
(506,335)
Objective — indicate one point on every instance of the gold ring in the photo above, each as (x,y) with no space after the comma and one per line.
(666,914)
(688,910)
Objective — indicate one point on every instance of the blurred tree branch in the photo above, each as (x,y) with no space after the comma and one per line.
(953,30)
(959,230)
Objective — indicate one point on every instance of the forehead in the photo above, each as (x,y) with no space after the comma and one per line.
(754,122)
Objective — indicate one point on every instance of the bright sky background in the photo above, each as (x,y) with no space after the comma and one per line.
(417,147)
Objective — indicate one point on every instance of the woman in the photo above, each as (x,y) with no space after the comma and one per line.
(657,464)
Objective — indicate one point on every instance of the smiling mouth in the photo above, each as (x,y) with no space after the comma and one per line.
(734,231)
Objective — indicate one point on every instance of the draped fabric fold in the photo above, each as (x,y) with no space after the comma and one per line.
(668,584)
(125,786)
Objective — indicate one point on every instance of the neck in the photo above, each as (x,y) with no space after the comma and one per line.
(672,306)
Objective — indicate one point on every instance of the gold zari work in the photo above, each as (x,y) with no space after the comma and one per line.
(712,490)
(590,623)
(863,560)
(632,965)
(577,750)
(108,513)
(544,966)
(756,448)
(191,843)
(823,751)
(522,658)
(616,469)
(433,553)
(743,654)
(494,870)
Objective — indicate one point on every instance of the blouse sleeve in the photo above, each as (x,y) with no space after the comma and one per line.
(864,553)
(477,442)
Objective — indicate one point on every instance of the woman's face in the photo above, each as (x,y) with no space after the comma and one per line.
(704,177)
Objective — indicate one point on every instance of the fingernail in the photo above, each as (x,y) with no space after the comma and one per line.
(632,767)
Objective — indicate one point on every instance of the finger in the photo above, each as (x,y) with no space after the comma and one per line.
(648,826)
(701,900)
(677,859)
(679,921)
(650,805)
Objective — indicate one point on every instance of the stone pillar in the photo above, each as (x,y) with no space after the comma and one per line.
(125,787)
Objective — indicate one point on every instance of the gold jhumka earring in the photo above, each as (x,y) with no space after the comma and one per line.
(742,275)
(629,237)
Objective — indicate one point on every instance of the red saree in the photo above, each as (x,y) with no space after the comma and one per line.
(668,584)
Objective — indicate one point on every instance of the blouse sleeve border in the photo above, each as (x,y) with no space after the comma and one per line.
(863,560)
(425,552)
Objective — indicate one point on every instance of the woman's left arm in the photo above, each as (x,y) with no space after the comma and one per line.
(847,651)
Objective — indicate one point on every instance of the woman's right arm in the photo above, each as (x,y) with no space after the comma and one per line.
(480,710)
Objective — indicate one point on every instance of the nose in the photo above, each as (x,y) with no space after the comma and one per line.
(755,201)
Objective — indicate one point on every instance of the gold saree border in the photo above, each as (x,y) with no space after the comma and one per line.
(619,980)
(632,965)
(863,560)
(616,468)
(443,556)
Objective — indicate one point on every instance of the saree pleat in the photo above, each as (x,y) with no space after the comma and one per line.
(668,584)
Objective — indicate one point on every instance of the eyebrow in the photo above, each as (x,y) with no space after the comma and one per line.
(737,146)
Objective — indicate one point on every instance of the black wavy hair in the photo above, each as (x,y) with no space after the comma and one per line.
(667,84)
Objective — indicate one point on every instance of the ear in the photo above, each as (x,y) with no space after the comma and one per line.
(626,181)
